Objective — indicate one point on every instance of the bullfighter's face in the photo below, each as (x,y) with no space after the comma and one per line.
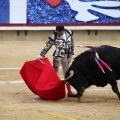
(75,81)
(60,33)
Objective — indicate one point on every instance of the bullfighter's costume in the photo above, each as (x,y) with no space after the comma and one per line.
(64,50)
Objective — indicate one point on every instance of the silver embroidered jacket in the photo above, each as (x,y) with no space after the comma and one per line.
(63,45)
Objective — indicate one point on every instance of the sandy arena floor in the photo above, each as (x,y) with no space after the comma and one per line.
(17,102)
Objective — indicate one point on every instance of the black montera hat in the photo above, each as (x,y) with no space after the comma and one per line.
(59,27)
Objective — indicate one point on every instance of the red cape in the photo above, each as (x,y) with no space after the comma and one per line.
(42,79)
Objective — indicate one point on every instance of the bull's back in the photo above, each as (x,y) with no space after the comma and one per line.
(111,55)
(85,62)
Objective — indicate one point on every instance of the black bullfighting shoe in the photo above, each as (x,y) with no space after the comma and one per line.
(74,96)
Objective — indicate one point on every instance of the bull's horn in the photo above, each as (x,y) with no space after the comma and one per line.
(71,74)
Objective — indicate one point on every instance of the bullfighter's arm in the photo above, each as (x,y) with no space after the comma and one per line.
(72,43)
(47,47)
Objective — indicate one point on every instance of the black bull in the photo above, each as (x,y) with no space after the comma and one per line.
(85,72)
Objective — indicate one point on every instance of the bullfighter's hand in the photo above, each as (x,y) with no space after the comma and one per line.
(39,57)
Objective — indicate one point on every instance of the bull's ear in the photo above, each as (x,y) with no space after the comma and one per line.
(71,74)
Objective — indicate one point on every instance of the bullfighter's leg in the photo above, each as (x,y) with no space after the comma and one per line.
(56,63)
(115,88)
(65,66)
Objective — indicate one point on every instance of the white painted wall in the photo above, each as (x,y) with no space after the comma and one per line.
(108,35)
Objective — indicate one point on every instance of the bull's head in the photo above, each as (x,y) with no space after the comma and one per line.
(77,81)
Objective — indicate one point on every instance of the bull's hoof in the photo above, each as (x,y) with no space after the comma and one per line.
(74,96)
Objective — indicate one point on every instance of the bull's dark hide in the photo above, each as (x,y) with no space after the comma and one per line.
(87,72)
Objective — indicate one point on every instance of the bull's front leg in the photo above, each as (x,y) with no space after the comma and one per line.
(79,89)
(115,88)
